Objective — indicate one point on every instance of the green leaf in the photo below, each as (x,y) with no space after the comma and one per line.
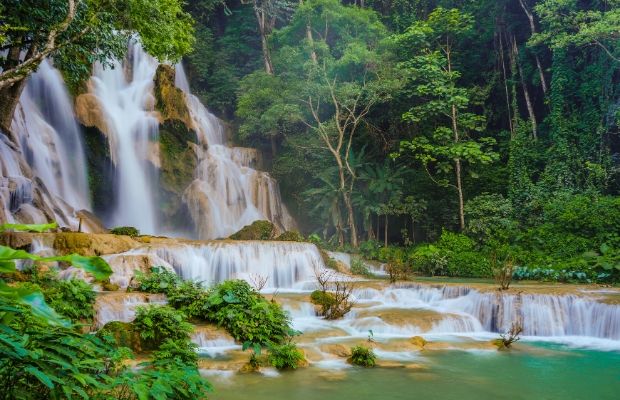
(46,380)
(28,227)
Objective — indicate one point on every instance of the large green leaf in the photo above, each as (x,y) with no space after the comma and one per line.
(28,227)
(93,265)
(35,300)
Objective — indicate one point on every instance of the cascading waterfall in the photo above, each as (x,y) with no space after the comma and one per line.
(286,265)
(227,193)
(50,137)
(43,174)
(125,94)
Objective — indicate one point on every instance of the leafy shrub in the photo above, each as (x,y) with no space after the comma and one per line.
(187,296)
(323,299)
(159,280)
(245,313)
(121,334)
(258,230)
(359,268)
(72,298)
(157,323)
(489,216)
(285,356)
(363,356)
(160,380)
(429,260)
(181,351)
(370,249)
(125,230)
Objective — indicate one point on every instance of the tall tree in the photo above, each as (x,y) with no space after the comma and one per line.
(442,111)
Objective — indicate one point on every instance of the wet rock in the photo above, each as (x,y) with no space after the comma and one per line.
(89,112)
(91,244)
(170,100)
(338,350)
(418,341)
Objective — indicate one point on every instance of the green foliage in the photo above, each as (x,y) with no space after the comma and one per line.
(159,280)
(453,255)
(489,216)
(363,356)
(125,230)
(160,380)
(72,298)
(187,296)
(157,323)
(358,267)
(180,351)
(258,230)
(324,299)
(246,314)
(285,356)
(99,31)
(28,227)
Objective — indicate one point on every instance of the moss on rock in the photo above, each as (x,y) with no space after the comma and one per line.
(258,230)
(170,100)
(290,236)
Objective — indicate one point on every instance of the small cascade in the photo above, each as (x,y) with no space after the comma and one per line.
(125,95)
(227,193)
(288,266)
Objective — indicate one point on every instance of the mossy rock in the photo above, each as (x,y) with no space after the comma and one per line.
(290,236)
(101,170)
(72,242)
(123,333)
(258,230)
(170,100)
(109,287)
(328,261)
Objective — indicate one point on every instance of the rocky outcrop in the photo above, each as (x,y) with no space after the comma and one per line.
(170,101)
(258,230)
(89,112)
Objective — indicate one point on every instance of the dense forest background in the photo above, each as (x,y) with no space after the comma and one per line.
(399,120)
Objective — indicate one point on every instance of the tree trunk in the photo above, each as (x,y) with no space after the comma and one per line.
(412,230)
(351,218)
(9,98)
(526,93)
(530,18)
(274,145)
(262,28)
(385,231)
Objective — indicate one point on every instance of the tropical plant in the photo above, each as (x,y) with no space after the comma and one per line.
(363,356)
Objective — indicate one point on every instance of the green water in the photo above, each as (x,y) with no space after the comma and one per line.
(546,372)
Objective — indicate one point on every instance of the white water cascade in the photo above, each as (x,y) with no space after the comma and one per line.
(288,266)
(227,192)
(125,95)
(50,137)
(43,174)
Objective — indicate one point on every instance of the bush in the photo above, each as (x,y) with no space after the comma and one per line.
(180,351)
(489,216)
(157,323)
(245,313)
(363,356)
(72,298)
(187,296)
(159,280)
(258,230)
(370,249)
(285,356)
(359,268)
(125,230)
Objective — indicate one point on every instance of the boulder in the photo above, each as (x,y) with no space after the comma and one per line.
(258,230)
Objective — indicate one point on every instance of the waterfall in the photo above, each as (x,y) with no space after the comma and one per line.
(288,266)
(227,192)
(125,95)
(50,138)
